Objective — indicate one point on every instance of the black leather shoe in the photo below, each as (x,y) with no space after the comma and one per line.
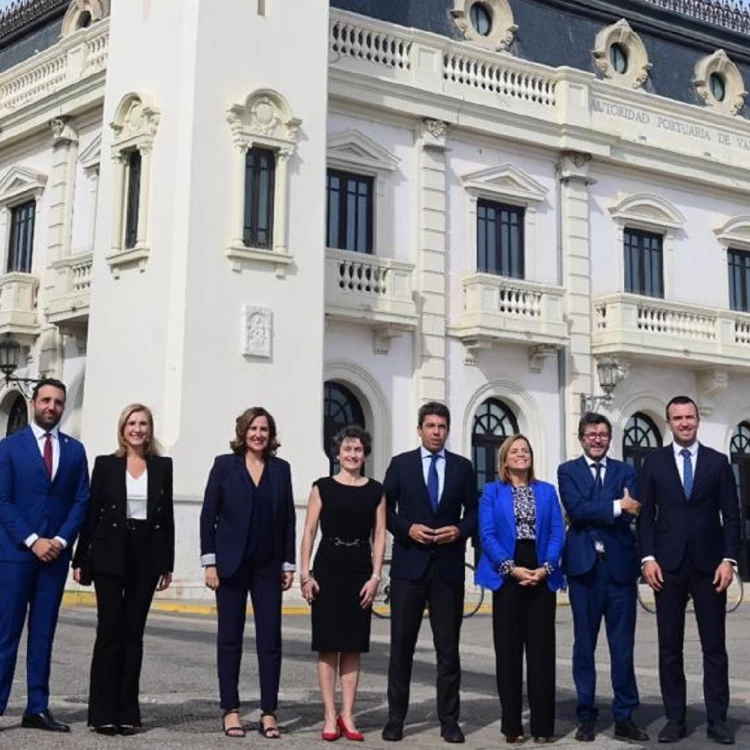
(44,720)
(585,732)
(128,730)
(110,730)
(721,733)
(452,733)
(672,732)
(627,730)
(393,731)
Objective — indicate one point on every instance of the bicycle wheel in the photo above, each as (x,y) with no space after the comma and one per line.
(381,607)
(646,597)
(735,593)
(473,592)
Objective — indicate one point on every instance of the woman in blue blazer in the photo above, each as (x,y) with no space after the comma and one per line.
(521,529)
(248,544)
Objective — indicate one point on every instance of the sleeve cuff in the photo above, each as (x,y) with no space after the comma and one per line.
(288,567)
(62,541)
(30,539)
(729,560)
(506,568)
(617,508)
(209,559)
(648,558)
(549,567)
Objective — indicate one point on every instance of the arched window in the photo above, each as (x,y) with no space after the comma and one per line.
(18,416)
(640,438)
(493,422)
(340,408)
(739,452)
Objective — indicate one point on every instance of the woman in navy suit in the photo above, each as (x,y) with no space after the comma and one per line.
(248,544)
(521,528)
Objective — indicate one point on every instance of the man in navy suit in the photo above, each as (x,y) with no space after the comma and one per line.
(44,493)
(431,501)
(601,563)
(690,541)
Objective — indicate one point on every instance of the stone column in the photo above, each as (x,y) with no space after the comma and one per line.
(430,341)
(576,253)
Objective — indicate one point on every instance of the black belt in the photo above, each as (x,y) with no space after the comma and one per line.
(338,542)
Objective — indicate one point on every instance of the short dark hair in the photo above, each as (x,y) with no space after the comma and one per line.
(239,444)
(590,418)
(351,432)
(54,382)
(680,401)
(433,409)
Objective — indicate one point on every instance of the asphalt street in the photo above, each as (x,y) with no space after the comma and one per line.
(179,691)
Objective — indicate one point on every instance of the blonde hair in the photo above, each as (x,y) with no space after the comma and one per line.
(151,446)
(502,457)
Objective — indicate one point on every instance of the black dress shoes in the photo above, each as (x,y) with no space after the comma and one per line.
(585,732)
(45,721)
(108,730)
(719,732)
(627,730)
(393,731)
(452,733)
(672,732)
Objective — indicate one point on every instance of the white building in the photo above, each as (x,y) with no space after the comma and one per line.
(208,206)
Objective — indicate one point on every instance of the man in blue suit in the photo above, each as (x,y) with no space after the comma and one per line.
(690,541)
(44,493)
(601,563)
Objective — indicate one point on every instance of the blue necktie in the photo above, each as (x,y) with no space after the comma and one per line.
(687,473)
(433,483)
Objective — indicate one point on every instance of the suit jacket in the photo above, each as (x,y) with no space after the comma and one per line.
(497,530)
(588,514)
(707,527)
(103,543)
(227,512)
(407,502)
(32,504)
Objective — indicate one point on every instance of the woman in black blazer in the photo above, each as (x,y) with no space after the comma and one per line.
(248,544)
(127,548)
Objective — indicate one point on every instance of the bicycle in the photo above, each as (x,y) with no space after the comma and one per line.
(735,595)
(473,597)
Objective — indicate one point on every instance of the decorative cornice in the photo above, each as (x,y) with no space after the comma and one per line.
(24,13)
(728,14)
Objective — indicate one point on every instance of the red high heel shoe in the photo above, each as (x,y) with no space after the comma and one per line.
(348,733)
(330,736)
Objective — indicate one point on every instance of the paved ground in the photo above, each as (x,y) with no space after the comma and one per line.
(179,687)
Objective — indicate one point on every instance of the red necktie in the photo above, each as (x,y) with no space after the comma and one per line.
(48,454)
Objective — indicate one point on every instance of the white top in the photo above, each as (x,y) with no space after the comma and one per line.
(680,461)
(137,493)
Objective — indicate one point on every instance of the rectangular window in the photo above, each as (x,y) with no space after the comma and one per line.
(260,177)
(500,239)
(21,237)
(644,263)
(350,211)
(133,198)
(739,280)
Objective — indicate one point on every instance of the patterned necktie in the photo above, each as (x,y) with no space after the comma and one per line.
(687,473)
(48,454)
(433,483)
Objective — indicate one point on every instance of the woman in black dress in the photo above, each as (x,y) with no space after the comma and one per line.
(351,511)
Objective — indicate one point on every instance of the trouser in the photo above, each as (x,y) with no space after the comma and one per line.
(446,603)
(264,584)
(122,604)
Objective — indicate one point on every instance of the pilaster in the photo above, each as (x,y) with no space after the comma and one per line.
(61,186)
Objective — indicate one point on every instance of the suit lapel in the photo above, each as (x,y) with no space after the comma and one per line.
(584,477)
(35,455)
(669,457)
(506,494)
(701,469)
(419,475)
(153,485)
(62,464)
(244,473)
(611,473)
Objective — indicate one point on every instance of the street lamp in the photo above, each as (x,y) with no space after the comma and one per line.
(610,373)
(10,354)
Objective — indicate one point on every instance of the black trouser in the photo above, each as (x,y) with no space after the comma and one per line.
(122,608)
(446,606)
(710,614)
(523,618)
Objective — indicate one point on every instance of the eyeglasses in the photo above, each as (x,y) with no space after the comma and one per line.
(603,436)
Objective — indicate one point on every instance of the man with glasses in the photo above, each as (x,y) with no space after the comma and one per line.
(602,566)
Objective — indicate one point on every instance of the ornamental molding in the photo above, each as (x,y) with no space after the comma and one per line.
(264,118)
(646,209)
(91,156)
(82,14)
(135,123)
(735,232)
(256,331)
(352,149)
(638,66)
(21,182)
(62,130)
(506,181)
(734,85)
(502,28)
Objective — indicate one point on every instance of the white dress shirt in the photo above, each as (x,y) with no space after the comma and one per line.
(137,494)
(40,436)
(439,465)
(617,508)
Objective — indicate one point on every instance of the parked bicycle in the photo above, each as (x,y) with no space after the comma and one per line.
(473,597)
(735,595)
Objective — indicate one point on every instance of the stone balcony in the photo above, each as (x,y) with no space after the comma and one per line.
(18,304)
(497,310)
(656,330)
(68,299)
(376,292)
